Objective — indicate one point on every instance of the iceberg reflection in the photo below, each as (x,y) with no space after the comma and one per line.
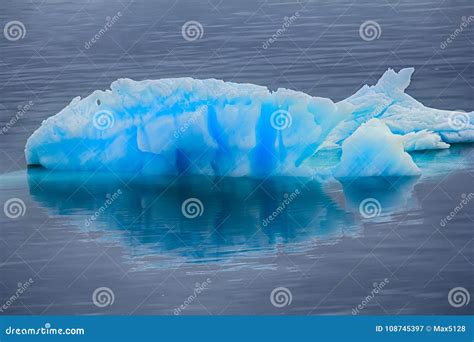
(238,215)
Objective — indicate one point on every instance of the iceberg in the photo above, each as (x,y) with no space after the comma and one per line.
(211,127)
(373,150)
(176,126)
(403,114)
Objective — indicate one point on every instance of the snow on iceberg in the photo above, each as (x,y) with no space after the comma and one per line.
(403,114)
(373,150)
(212,127)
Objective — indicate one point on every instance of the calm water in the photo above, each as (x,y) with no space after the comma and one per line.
(320,247)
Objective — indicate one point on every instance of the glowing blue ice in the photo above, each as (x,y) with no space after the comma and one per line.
(212,127)
(175,126)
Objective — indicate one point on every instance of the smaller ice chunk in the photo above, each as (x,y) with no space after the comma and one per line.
(423,140)
(373,150)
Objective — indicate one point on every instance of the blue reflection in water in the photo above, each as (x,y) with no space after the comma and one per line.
(145,214)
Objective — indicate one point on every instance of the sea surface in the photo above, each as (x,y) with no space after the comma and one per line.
(81,234)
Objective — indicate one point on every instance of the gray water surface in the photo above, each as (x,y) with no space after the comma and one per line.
(320,248)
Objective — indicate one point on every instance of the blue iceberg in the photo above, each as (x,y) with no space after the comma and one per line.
(212,127)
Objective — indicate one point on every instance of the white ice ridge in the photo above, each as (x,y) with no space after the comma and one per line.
(423,140)
(403,114)
(212,127)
